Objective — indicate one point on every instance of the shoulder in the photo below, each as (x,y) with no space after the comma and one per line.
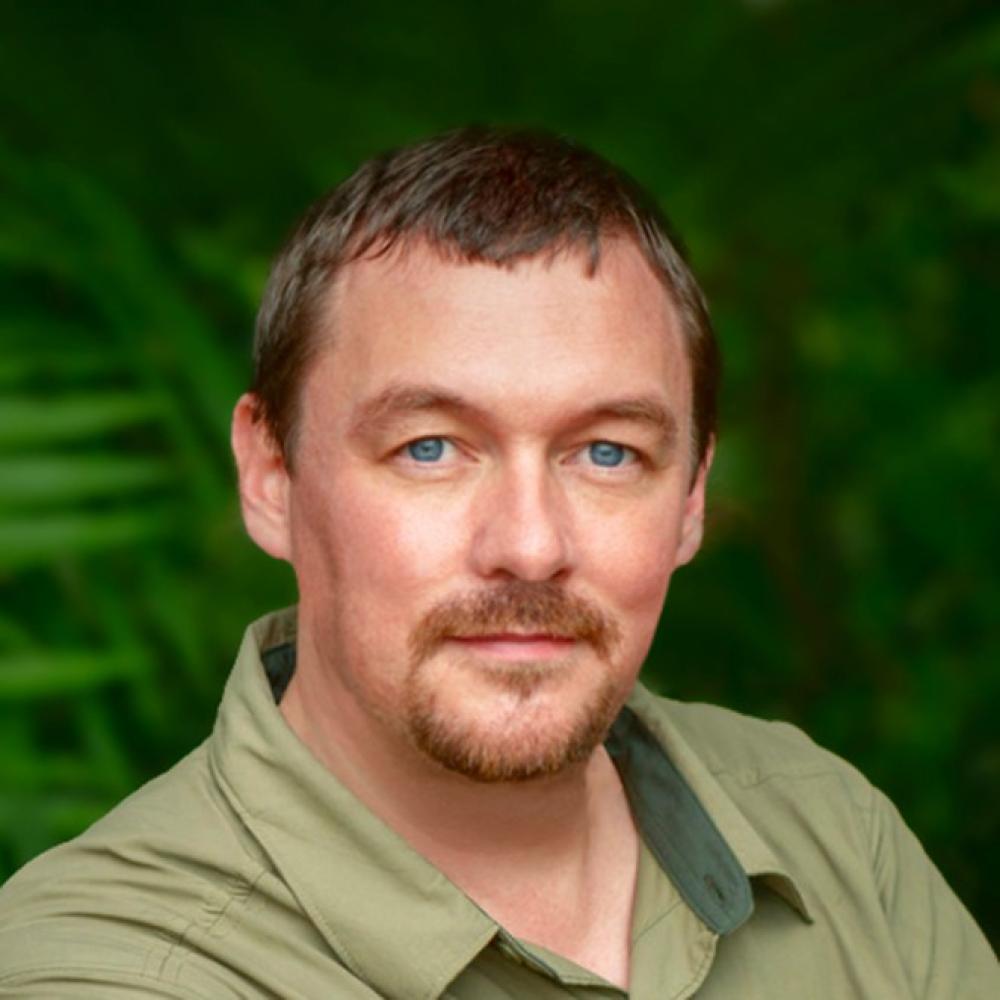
(815,819)
(822,820)
(746,750)
(804,800)
(126,893)
(178,823)
(733,742)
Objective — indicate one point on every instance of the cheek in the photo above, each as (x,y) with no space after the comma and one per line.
(636,552)
(639,577)
(381,546)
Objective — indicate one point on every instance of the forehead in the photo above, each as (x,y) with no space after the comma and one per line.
(547,330)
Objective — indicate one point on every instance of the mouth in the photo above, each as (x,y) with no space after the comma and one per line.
(517,645)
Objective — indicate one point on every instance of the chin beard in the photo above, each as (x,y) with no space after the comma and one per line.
(484,755)
(516,752)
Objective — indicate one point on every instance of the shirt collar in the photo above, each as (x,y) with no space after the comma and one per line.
(691,779)
(389,915)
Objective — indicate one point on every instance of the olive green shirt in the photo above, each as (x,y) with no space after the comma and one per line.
(769,868)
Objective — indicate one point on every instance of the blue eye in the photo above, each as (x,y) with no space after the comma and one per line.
(428,449)
(608,454)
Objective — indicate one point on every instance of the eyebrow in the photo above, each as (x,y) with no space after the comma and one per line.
(636,409)
(402,399)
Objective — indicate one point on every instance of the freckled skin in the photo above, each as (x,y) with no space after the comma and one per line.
(377,538)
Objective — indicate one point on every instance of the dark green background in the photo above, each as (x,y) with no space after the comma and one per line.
(835,169)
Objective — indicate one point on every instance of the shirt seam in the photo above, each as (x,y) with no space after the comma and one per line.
(656,920)
(747,782)
(343,954)
(180,948)
(138,978)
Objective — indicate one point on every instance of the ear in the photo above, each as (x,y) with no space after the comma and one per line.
(693,524)
(264,480)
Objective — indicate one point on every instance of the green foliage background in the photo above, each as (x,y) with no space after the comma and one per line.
(835,169)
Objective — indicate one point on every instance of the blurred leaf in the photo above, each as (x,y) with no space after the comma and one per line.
(44,675)
(45,538)
(72,478)
(32,421)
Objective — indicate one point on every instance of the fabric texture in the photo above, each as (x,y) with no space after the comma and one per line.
(768,868)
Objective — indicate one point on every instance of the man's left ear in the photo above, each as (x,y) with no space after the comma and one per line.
(693,525)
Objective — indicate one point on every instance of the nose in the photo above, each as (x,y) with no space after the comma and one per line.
(522,525)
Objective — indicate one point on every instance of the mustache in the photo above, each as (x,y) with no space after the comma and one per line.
(519,605)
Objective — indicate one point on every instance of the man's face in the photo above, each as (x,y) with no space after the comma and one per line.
(491,490)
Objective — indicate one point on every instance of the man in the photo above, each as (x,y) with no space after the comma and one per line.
(480,430)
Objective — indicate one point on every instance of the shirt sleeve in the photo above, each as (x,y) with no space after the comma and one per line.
(945,954)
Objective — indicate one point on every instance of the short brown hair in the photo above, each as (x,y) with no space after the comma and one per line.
(478,195)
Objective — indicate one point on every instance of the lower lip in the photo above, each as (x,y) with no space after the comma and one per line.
(507,647)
